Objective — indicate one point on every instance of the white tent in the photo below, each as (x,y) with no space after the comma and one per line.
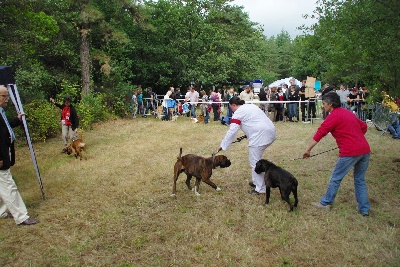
(280,82)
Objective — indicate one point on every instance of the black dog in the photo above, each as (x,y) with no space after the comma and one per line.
(277,177)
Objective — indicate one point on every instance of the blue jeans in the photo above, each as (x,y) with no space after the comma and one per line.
(343,166)
(228,116)
(292,110)
(394,129)
(193,110)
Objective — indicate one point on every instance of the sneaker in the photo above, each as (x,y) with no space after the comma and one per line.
(319,205)
(254,192)
(252,184)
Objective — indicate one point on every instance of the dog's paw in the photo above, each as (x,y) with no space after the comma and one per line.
(173,195)
(218,189)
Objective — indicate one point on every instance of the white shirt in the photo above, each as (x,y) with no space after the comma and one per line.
(246,96)
(258,128)
(193,97)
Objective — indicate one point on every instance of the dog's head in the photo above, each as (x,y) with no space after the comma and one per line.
(221,161)
(69,149)
(262,166)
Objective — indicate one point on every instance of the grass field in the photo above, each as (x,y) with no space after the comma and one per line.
(115,208)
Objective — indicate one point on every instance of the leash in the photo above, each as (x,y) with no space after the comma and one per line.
(326,151)
(236,141)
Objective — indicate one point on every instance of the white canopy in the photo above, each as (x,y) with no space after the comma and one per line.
(279,83)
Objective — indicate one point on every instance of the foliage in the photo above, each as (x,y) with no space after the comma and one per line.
(92,109)
(69,90)
(43,120)
(355,42)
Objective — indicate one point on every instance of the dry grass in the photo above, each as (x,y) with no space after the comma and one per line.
(115,209)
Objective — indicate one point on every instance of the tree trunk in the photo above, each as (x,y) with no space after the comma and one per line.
(85,61)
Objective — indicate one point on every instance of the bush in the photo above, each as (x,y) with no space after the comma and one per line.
(43,120)
(91,109)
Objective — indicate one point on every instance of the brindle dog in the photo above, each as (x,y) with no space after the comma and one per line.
(199,167)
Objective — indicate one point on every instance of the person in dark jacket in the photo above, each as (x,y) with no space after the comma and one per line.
(69,120)
(10,198)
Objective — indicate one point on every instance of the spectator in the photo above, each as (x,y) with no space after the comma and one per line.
(354,151)
(215,105)
(353,99)
(272,106)
(292,81)
(193,97)
(292,107)
(227,119)
(134,105)
(10,198)
(151,99)
(343,93)
(167,104)
(260,132)
(140,101)
(327,89)
(262,96)
(303,104)
(69,121)
(280,107)
(204,106)
(285,89)
(178,93)
(394,128)
(247,94)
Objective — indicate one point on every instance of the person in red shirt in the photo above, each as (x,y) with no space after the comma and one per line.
(69,120)
(354,151)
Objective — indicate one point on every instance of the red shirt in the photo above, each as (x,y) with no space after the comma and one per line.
(348,131)
(66,116)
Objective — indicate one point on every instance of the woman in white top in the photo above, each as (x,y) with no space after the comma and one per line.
(260,132)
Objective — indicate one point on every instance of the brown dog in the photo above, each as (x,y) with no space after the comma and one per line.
(77,147)
(199,167)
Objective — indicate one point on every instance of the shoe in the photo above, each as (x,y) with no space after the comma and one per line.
(254,192)
(363,214)
(29,221)
(319,205)
(252,184)
(6,215)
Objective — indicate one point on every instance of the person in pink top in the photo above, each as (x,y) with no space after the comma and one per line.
(354,151)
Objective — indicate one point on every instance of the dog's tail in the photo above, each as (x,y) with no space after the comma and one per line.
(180,154)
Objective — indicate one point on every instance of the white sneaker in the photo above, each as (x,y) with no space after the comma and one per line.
(319,205)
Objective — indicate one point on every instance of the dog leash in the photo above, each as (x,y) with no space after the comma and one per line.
(236,141)
(314,154)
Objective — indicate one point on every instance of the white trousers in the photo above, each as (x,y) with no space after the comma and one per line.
(10,199)
(255,154)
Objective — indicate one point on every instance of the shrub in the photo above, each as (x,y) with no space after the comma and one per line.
(43,120)
(91,109)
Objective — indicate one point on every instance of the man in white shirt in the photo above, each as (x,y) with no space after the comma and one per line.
(260,132)
(193,97)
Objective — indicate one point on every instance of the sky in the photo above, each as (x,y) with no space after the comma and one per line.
(278,15)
